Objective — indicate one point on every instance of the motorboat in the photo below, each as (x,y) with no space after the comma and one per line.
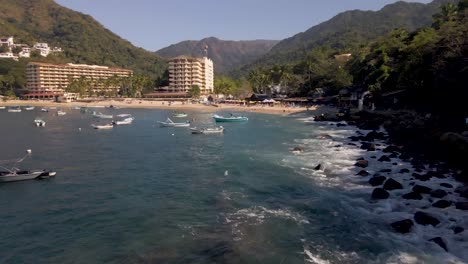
(29,108)
(45,174)
(2,107)
(208,130)
(219,118)
(105,126)
(18,175)
(170,123)
(39,122)
(61,113)
(14,109)
(124,115)
(179,115)
(126,121)
(44,110)
(101,115)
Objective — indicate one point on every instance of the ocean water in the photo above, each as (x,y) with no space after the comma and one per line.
(146,194)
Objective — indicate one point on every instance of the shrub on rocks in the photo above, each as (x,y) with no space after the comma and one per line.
(391,184)
(425,219)
(403,226)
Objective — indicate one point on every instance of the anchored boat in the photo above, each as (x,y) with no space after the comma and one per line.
(170,123)
(209,130)
(219,118)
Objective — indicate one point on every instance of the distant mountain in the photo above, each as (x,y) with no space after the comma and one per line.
(226,55)
(83,39)
(351,28)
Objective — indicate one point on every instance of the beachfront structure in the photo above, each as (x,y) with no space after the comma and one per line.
(185,71)
(54,78)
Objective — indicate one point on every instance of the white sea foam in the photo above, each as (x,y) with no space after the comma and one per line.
(337,159)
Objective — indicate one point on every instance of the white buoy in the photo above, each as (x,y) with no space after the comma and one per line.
(172,134)
(226,173)
(28,151)
(79,128)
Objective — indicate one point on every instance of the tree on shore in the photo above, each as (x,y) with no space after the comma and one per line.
(194,91)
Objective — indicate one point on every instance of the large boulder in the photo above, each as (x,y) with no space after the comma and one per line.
(391,184)
(421,189)
(425,219)
(412,196)
(403,226)
(442,204)
(362,163)
(439,241)
(379,193)
(384,158)
(458,229)
(318,167)
(438,193)
(368,146)
(377,180)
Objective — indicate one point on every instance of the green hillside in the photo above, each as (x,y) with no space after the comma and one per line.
(83,39)
(350,29)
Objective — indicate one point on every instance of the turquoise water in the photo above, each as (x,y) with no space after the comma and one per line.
(145,194)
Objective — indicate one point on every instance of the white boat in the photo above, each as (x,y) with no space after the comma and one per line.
(61,113)
(124,115)
(179,115)
(18,175)
(39,122)
(29,108)
(2,107)
(14,109)
(209,130)
(106,126)
(101,115)
(170,123)
(44,109)
(126,121)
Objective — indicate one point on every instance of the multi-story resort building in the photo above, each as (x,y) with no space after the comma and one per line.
(186,71)
(54,78)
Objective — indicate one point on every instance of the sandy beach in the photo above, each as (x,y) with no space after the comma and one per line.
(177,106)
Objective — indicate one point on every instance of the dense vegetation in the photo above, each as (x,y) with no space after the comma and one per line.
(226,55)
(81,37)
(347,30)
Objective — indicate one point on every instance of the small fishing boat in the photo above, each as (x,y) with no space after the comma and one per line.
(39,122)
(2,107)
(106,126)
(29,108)
(219,118)
(18,175)
(44,109)
(209,130)
(124,115)
(170,123)
(126,121)
(14,109)
(101,115)
(179,115)
(61,113)
(45,174)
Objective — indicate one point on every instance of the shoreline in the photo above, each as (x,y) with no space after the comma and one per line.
(145,104)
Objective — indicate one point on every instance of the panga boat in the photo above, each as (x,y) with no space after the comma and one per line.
(106,126)
(14,109)
(101,115)
(210,130)
(29,108)
(39,122)
(170,123)
(2,107)
(126,121)
(179,115)
(44,110)
(219,118)
(18,175)
(61,113)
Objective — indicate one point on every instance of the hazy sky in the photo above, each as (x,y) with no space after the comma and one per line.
(155,24)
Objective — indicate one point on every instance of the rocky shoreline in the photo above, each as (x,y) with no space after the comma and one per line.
(425,184)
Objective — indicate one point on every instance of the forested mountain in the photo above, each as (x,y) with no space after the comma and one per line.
(349,29)
(226,55)
(83,39)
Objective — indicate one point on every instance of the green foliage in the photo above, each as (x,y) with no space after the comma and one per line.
(194,91)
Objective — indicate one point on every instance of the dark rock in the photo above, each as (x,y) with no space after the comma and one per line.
(421,189)
(462,206)
(425,219)
(391,184)
(386,170)
(435,174)
(403,226)
(377,180)
(318,167)
(354,138)
(404,171)
(461,189)
(411,183)
(390,149)
(439,241)
(363,173)
(351,144)
(458,229)
(438,193)
(379,193)
(368,146)
(373,157)
(464,194)
(395,163)
(375,135)
(337,146)
(446,185)
(412,196)
(362,163)
(442,204)
(393,155)
(384,158)
(421,177)
(341,125)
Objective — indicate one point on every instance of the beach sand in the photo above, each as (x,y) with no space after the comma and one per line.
(177,106)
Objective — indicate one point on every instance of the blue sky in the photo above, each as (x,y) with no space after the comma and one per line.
(155,24)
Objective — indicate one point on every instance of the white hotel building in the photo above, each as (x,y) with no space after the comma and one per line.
(186,71)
